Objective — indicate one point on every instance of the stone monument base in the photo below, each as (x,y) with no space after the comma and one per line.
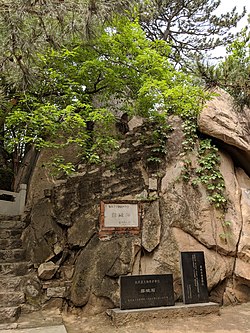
(121,317)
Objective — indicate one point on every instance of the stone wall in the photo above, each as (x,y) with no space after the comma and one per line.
(79,268)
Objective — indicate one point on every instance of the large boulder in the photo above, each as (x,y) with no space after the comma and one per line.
(44,239)
(221,119)
(175,215)
(98,267)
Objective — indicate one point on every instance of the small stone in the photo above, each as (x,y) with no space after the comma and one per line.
(108,174)
(47,270)
(56,292)
(52,304)
(137,143)
(152,184)
(67,271)
(142,195)
(135,122)
(123,150)
(57,248)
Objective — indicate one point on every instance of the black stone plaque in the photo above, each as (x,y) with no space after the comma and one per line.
(194,280)
(146,291)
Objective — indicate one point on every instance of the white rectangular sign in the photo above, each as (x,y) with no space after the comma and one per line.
(121,215)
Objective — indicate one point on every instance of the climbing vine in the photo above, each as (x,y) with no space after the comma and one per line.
(208,172)
(191,138)
(157,140)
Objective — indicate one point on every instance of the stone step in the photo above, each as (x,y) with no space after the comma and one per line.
(14,269)
(12,255)
(10,233)
(9,314)
(11,283)
(11,298)
(10,218)
(12,224)
(122,317)
(10,244)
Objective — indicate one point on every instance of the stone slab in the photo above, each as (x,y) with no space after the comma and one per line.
(121,317)
(44,329)
(146,291)
(194,280)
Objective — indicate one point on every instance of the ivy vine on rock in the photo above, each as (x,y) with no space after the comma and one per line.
(208,172)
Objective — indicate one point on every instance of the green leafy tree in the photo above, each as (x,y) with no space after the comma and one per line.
(70,103)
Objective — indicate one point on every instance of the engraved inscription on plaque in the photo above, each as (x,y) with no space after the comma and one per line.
(194,280)
(146,291)
(121,215)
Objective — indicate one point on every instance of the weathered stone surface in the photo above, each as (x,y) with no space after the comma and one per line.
(43,235)
(10,283)
(12,255)
(218,267)
(47,270)
(188,208)
(42,175)
(11,298)
(14,269)
(65,225)
(9,314)
(135,122)
(97,305)
(236,292)
(242,270)
(244,240)
(152,184)
(99,263)
(56,292)
(32,289)
(84,226)
(151,228)
(220,120)
(67,272)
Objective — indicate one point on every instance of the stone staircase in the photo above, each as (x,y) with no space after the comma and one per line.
(13,268)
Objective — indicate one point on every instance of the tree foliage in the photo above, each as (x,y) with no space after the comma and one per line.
(232,73)
(67,67)
(189,26)
(30,26)
(70,103)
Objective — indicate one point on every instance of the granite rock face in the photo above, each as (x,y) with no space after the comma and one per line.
(219,119)
(176,216)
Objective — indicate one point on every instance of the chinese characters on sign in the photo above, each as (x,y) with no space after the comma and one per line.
(194,281)
(121,215)
(145,291)
(118,217)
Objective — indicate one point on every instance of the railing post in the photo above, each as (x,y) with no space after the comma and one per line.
(22,197)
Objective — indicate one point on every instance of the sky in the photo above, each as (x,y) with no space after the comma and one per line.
(227,5)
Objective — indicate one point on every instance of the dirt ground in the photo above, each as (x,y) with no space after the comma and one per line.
(231,319)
